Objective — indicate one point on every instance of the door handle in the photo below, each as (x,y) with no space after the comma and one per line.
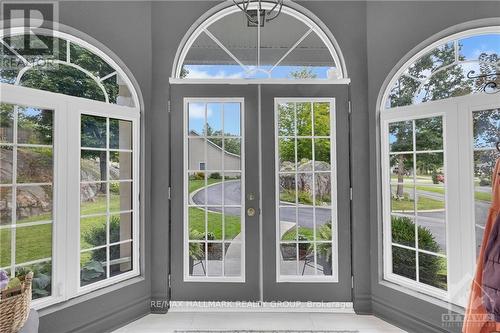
(251,211)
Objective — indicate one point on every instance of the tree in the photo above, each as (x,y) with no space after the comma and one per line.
(488,65)
(184,72)
(299,116)
(401,134)
(303,73)
(231,145)
(93,132)
(441,84)
(486,126)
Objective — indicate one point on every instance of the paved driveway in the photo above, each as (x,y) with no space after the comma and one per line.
(232,196)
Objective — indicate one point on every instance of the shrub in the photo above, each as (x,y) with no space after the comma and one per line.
(404,261)
(96,236)
(199,176)
(485,182)
(114,188)
(195,249)
(215,175)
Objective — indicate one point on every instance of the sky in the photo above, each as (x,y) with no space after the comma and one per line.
(472,47)
(218,116)
(237,72)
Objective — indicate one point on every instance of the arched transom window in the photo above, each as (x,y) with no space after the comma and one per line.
(440,122)
(449,69)
(228,46)
(57,62)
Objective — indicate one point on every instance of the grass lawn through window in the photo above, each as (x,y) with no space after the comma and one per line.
(214,223)
(34,242)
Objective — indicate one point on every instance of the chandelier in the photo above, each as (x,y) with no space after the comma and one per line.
(259,15)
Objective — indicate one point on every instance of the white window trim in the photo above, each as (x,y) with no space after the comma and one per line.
(66,212)
(459,165)
(186,276)
(333,190)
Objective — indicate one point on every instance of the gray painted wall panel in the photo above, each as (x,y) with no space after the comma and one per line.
(373,36)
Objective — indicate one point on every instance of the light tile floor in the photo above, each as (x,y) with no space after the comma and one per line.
(227,321)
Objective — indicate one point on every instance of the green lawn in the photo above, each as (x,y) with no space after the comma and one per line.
(483,196)
(303,198)
(478,195)
(232,224)
(304,233)
(195,184)
(424,203)
(34,242)
(432,189)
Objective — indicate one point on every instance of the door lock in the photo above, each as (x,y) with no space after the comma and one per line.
(251,211)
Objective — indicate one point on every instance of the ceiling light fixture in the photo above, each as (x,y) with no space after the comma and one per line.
(259,15)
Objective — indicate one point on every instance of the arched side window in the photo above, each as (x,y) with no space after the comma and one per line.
(57,62)
(69,165)
(440,120)
(449,69)
(228,46)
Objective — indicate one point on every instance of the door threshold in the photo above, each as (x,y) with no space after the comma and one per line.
(240,306)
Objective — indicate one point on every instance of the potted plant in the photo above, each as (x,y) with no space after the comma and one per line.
(324,250)
(196,250)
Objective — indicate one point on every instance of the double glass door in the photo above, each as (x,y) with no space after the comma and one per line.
(260,193)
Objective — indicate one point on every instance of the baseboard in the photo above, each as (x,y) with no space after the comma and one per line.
(363,304)
(221,306)
(119,317)
(404,320)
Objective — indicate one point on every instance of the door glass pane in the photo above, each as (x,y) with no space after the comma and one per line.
(305,191)
(486,129)
(214,180)
(418,200)
(107,194)
(26,193)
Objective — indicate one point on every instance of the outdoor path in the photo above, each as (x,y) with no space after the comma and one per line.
(232,196)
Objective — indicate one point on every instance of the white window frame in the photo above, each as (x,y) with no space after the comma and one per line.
(186,171)
(459,189)
(333,190)
(108,111)
(66,212)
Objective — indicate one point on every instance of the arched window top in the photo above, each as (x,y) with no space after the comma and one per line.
(455,66)
(227,46)
(61,63)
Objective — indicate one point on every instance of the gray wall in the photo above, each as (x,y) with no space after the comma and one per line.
(393,30)
(373,37)
(124,28)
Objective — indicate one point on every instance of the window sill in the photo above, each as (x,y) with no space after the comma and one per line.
(424,297)
(58,304)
